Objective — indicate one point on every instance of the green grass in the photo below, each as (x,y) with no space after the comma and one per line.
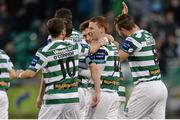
(27,108)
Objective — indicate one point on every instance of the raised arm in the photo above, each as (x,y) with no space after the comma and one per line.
(125,8)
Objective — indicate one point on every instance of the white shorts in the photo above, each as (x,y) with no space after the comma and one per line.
(59,111)
(82,101)
(147,101)
(4,103)
(120,110)
(106,108)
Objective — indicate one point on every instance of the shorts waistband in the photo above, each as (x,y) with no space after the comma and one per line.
(147,81)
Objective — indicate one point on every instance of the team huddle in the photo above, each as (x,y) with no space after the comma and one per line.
(81,71)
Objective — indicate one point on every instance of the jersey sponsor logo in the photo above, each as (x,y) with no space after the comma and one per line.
(59,51)
(65,85)
(64,55)
(154,72)
(100,54)
(34,61)
(98,57)
(77,40)
(127,46)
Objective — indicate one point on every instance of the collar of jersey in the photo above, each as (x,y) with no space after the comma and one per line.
(59,40)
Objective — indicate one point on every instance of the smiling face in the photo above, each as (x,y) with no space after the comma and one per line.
(95,30)
(87,35)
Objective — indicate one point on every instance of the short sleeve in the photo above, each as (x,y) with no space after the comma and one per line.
(10,64)
(90,59)
(129,45)
(83,49)
(38,62)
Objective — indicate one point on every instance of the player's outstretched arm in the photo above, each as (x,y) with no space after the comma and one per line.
(95,74)
(12,74)
(27,74)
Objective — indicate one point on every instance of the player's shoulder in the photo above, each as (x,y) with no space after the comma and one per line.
(76,32)
(2,51)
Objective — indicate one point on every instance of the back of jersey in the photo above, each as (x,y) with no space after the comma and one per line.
(143,59)
(59,63)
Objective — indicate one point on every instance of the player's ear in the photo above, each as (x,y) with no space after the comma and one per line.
(102,30)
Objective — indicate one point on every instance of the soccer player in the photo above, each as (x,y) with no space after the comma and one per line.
(6,73)
(84,28)
(88,72)
(149,95)
(107,59)
(75,36)
(59,64)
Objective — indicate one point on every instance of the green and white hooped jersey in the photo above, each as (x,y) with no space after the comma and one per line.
(59,63)
(107,58)
(143,60)
(5,66)
(122,89)
(77,37)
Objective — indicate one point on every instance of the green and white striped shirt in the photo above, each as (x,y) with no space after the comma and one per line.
(5,66)
(77,37)
(59,63)
(122,89)
(143,60)
(107,59)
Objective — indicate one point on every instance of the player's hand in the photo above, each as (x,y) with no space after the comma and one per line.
(125,8)
(18,72)
(95,100)
(103,41)
(39,102)
(110,37)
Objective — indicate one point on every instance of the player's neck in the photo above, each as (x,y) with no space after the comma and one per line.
(134,30)
(60,37)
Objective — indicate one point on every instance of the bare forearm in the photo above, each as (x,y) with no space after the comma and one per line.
(27,74)
(12,74)
(95,73)
(42,88)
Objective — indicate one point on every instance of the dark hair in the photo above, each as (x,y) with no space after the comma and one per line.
(55,26)
(84,25)
(124,21)
(65,14)
(101,22)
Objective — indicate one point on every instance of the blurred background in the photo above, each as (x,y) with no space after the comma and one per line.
(22,32)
